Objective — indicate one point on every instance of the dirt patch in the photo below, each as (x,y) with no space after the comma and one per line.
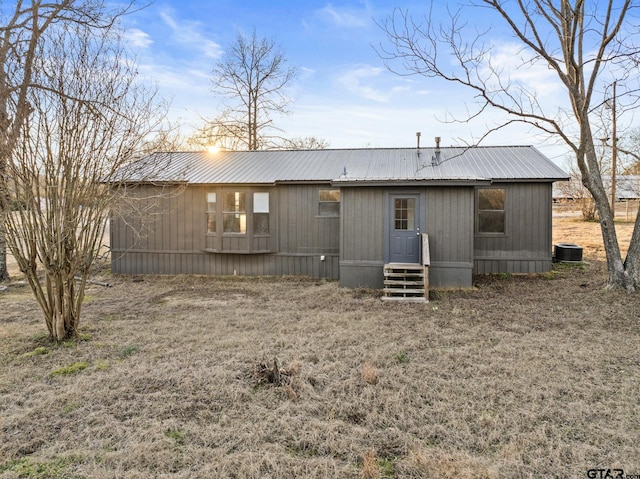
(523,376)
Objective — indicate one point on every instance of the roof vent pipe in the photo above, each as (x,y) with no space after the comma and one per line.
(418,138)
(435,160)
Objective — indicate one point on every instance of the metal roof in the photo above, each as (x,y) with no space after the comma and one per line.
(346,166)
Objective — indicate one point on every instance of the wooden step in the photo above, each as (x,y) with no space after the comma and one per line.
(411,299)
(403,291)
(404,282)
(391,276)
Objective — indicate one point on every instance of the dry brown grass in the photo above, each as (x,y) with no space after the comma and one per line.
(522,377)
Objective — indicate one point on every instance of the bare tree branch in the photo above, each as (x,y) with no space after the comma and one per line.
(580,42)
(252,75)
(22,30)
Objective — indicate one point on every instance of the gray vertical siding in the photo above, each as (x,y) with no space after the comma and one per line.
(526,246)
(449,222)
(362,237)
(139,262)
(172,238)
(363,212)
(301,229)
(450,212)
(456,251)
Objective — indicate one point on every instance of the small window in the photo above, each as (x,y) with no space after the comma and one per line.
(329,204)
(491,210)
(261,213)
(234,212)
(211,213)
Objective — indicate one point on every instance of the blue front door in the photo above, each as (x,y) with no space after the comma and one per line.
(405,228)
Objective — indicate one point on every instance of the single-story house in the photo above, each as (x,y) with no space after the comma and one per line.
(338,213)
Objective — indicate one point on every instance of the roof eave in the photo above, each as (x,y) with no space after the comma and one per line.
(407,182)
(529,180)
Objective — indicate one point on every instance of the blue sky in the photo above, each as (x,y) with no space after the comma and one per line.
(343,92)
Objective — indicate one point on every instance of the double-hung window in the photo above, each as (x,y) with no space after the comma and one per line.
(490,211)
(261,213)
(329,203)
(234,212)
(211,213)
(238,221)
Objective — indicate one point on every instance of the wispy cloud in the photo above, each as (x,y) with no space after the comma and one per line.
(514,63)
(358,81)
(189,34)
(348,17)
(172,79)
(136,38)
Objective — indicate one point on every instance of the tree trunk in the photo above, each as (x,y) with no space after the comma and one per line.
(622,274)
(62,314)
(632,262)
(4,271)
(4,202)
(615,265)
(592,180)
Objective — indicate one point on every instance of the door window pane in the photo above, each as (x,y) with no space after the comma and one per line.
(405,213)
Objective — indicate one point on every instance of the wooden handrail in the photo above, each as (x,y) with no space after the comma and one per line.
(426,257)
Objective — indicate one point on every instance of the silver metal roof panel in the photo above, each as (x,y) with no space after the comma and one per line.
(368,165)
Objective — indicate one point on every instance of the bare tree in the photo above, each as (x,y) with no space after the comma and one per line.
(306,143)
(88,119)
(222,132)
(580,42)
(252,75)
(23,25)
(229,136)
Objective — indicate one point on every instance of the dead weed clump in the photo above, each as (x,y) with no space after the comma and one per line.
(273,374)
(370,469)
(369,373)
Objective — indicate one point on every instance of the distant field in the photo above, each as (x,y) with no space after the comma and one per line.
(523,376)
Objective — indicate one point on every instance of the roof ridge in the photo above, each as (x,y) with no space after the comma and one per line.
(383,148)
